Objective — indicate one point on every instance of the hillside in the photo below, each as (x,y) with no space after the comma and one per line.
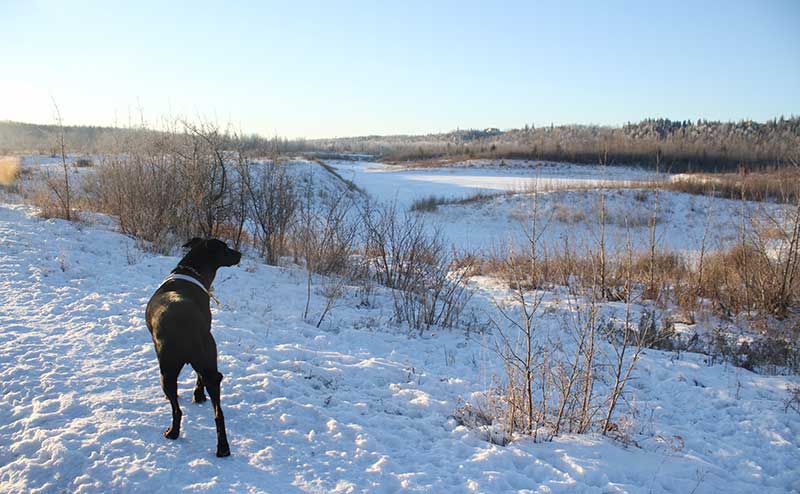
(356,405)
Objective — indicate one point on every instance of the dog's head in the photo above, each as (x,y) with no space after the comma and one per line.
(212,252)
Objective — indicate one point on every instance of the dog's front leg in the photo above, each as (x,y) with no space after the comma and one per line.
(169,383)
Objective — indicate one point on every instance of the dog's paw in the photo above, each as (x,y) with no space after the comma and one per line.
(223,450)
(172,433)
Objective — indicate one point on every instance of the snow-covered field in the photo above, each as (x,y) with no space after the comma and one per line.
(405,185)
(354,406)
(360,404)
(568,207)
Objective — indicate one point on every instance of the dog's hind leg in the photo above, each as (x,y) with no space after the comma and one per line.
(211,379)
(169,383)
(199,393)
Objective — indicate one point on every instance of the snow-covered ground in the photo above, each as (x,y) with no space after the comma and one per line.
(567,210)
(354,406)
(405,185)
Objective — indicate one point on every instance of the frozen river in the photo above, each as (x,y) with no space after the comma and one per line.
(387,182)
(568,211)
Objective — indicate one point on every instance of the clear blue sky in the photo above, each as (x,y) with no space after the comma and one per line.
(351,68)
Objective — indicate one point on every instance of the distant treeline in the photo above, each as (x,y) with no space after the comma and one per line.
(677,145)
(19,138)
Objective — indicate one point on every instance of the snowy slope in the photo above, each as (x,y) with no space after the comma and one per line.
(684,221)
(497,222)
(355,406)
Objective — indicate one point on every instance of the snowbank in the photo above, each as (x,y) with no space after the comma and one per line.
(355,406)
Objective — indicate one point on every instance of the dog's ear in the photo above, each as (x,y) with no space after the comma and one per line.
(191,244)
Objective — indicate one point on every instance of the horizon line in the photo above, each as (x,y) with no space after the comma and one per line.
(408,134)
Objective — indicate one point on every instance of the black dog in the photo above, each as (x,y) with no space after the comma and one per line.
(179,319)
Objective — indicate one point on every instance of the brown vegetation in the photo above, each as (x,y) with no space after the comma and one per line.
(780,185)
(10,167)
(556,376)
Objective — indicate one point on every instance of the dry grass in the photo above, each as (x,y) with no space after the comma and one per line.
(568,213)
(431,203)
(732,282)
(428,204)
(746,279)
(743,285)
(48,206)
(10,167)
(781,185)
(408,161)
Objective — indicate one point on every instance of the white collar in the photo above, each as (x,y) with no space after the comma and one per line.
(184,277)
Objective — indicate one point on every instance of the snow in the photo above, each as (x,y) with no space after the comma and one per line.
(357,405)
(406,185)
(568,212)
(567,208)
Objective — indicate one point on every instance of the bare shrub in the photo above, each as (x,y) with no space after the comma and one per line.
(325,237)
(54,199)
(792,402)
(549,375)
(46,201)
(199,155)
(272,203)
(659,274)
(144,190)
(628,341)
(333,289)
(552,371)
(50,197)
(387,239)
(167,186)
(757,277)
(563,267)
(747,278)
(437,295)
(325,234)
(429,284)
